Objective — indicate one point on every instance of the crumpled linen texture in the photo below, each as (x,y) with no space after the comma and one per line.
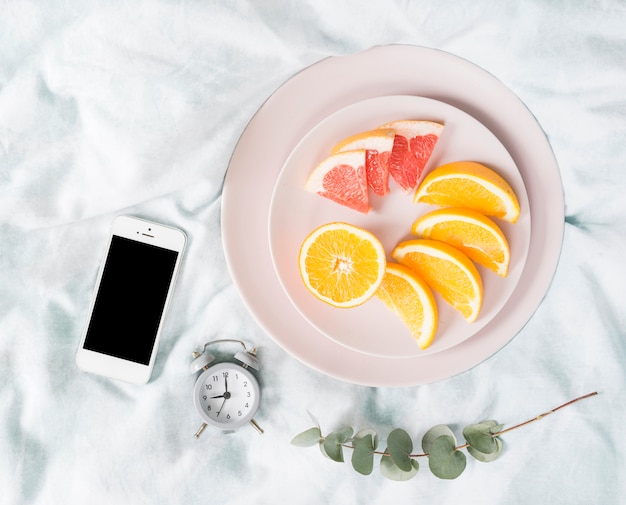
(111,108)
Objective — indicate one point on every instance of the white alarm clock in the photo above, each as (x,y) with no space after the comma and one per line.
(227,394)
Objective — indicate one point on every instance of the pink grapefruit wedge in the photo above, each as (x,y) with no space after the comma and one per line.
(413,145)
(341,178)
(377,144)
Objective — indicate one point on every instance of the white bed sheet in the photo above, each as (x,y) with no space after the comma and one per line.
(118,107)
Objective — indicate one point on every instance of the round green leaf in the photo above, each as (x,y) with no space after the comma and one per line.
(400,446)
(496,428)
(322,449)
(368,432)
(486,458)
(435,432)
(480,437)
(314,419)
(307,438)
(332,444)
(444,460)
(390,470)
(363,454)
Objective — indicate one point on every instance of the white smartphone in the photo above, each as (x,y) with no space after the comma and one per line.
(133,291)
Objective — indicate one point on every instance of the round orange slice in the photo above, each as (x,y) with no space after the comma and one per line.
(342,264)
(414,142)
(408,296)
(469,185)
(446,270)
(341,178)
(378,144)
(471,232)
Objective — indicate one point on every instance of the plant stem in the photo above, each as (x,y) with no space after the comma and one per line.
(537,418)
(541,416)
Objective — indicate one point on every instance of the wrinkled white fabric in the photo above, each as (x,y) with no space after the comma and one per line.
(136,107)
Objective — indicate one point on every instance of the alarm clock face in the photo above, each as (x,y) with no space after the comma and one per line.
(227,395)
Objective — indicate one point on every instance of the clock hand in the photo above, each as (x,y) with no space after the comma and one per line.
(226,395)
(220,410)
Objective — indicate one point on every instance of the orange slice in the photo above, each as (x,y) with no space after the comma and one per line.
(469,185)
(469,231)
(341,178)
(446,270)
(413,145)
(342,264)
(408,296)
(377,145)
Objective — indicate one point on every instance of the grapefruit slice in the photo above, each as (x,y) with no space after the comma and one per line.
(413,145)
(377,144)
(341,178)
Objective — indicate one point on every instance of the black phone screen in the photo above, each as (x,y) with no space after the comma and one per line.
(130,300)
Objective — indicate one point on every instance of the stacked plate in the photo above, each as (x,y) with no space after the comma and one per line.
(266,213)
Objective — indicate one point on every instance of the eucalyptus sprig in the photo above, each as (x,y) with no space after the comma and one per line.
(399,462)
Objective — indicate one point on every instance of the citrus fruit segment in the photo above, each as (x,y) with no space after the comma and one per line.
(469,185)
(380,139)
(409,297)
(342,264)
(471,232)
(377,170)
(378,144)
(446,270)
(341,178)
(413,145)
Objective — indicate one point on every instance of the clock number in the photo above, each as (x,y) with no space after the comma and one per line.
(208,386)
(248,394)
(225,374)
(247,406)
(239,413)
(228,416)
(245,384)
(204,397)
(215,378)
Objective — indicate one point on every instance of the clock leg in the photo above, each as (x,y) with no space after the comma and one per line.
(200,430)
(256,426)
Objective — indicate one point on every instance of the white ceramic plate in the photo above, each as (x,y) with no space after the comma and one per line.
(306,99)
(372,328)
